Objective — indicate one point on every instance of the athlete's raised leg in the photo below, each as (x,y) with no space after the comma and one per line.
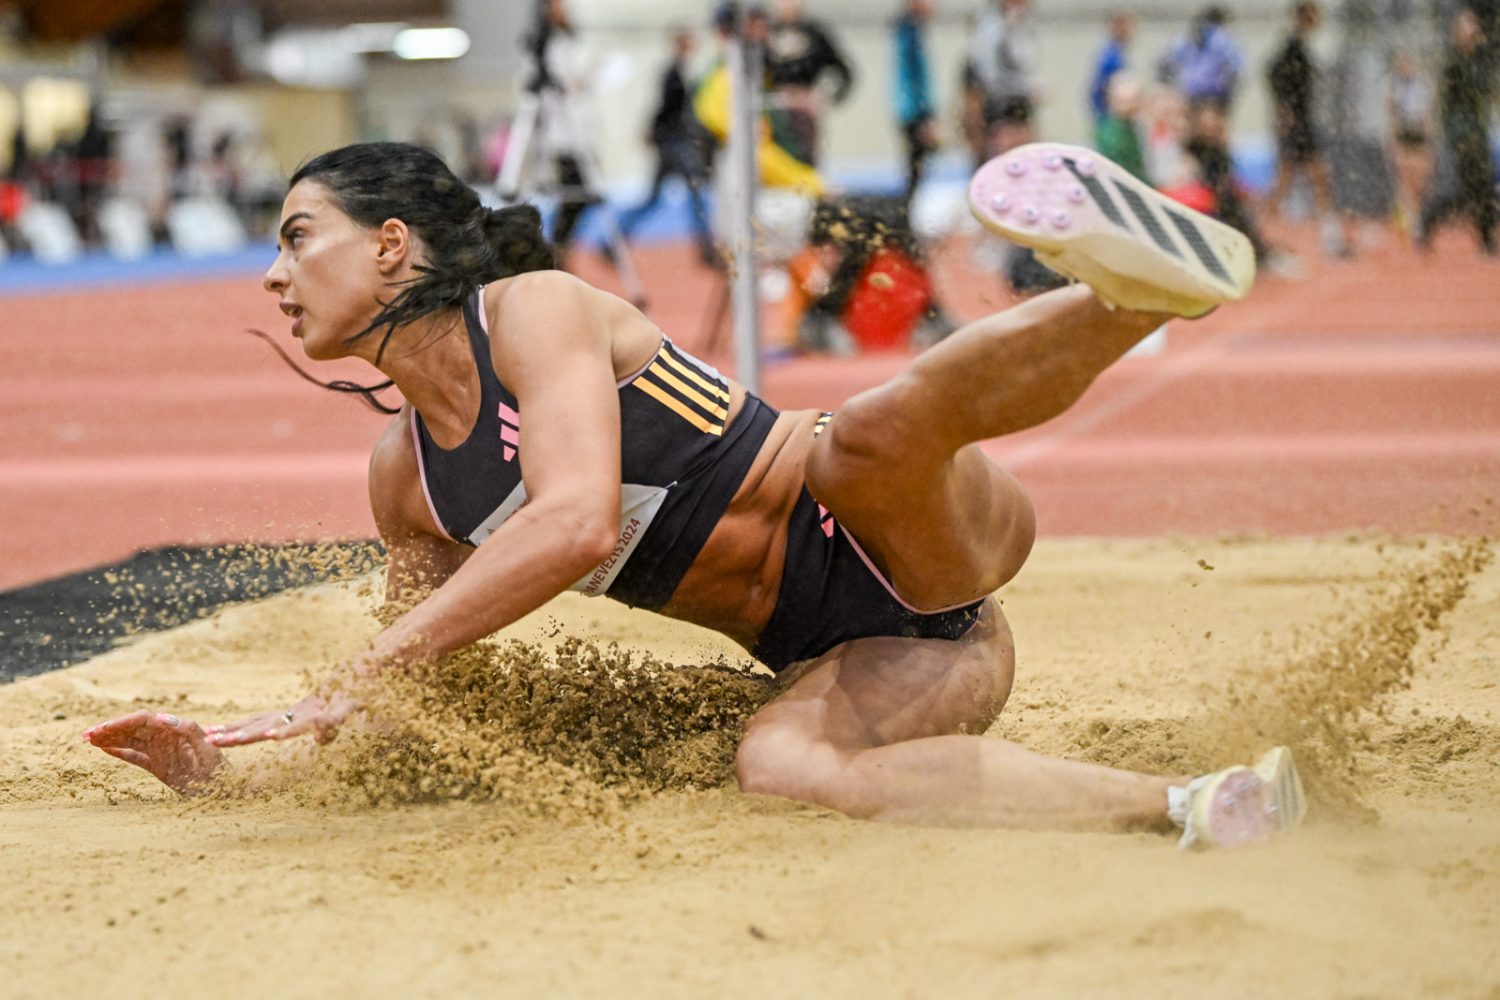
(898,466)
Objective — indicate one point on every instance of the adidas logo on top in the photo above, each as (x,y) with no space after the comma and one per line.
(510,431)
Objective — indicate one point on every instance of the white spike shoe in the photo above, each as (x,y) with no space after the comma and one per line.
(1087,218)
(1240,805)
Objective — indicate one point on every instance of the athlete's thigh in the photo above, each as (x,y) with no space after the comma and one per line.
(943,528)
(876,691)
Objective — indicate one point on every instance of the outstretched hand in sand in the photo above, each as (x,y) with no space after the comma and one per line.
(176,751)
(185,756)
(316,714)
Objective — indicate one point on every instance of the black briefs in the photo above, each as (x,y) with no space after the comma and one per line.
(831,593)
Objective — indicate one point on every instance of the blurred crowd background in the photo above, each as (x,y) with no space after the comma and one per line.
(136,127)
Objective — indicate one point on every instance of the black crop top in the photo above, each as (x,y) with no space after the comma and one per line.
(680,466)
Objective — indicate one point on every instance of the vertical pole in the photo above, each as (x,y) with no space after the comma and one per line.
(744,179)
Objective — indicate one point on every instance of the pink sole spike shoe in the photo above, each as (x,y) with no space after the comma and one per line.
(1241,805)
(1090,220)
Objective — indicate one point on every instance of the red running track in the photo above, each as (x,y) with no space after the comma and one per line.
(1366,397)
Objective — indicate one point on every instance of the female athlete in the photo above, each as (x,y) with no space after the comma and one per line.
(553,438)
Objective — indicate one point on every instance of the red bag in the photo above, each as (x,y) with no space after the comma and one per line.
(892,294)
(12,200)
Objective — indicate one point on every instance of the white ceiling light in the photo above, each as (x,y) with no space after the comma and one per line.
(312,58)
(431,43)
(372,36)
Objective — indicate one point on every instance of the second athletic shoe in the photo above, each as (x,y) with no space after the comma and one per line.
(1089,219)
(1239,805)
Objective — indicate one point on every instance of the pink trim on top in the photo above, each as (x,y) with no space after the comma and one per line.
(484,319)
(416,442)
(892,590)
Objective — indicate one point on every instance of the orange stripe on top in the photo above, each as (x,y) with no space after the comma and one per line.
(677,406)
(710,406)
(695,376)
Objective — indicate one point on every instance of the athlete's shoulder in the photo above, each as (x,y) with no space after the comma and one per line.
(551,311)
(535,290)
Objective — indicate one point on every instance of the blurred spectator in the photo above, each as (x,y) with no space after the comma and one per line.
(1208,144)
(222,171)
(1171,169)
(1205,64)
(1488,14)
(1465,97)
(1411,104)
(801,53)
(13,186)
(971,105)
(470,158)
(1117,133)
(262,183)
(1002,72)
(913,89)
(94,168)
(560,67)
(1112,59)
(778,167)
(1293,80)
(681,148)
(1002,69)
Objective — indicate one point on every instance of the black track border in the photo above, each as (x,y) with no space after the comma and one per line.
(59,622)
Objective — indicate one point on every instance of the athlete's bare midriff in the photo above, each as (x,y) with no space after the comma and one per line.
(732,585)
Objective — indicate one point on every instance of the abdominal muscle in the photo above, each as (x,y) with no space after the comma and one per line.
(733,583)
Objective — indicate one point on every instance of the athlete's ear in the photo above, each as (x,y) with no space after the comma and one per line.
(393,246)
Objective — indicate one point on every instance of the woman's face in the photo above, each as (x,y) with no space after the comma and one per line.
(327,273)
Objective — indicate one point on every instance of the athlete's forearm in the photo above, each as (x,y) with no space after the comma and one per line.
(534,556)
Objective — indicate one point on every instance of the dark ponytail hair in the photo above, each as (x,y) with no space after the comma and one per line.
(466,244)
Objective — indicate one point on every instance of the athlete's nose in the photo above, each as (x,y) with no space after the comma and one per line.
(275,279)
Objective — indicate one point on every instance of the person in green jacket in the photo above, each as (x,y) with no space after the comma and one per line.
(1116,133)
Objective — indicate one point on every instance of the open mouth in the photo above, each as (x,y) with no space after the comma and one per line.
(295,312)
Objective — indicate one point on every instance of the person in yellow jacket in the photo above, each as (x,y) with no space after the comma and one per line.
(778,168)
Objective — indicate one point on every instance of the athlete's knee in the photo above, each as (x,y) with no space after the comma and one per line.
(1021,537)
(779,759)
(769,759)
(996,653)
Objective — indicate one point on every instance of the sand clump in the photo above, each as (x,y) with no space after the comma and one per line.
(572,728)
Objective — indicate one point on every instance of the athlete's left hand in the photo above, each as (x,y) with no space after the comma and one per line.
(317,714)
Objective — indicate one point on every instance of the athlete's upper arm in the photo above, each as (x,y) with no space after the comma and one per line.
(552,344)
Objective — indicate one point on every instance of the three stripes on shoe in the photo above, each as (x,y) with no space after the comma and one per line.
(1100,194)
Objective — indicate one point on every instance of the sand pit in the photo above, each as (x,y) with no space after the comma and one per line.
(576,875)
